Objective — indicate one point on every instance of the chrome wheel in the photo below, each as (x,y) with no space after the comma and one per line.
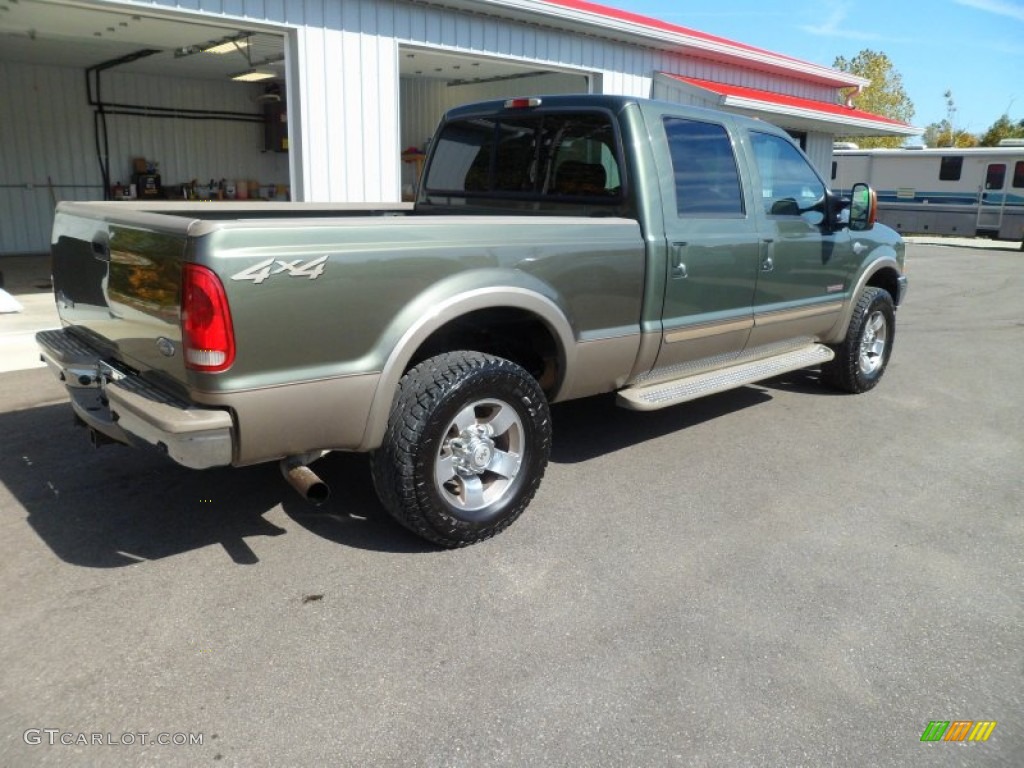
(872,343)
(480,455)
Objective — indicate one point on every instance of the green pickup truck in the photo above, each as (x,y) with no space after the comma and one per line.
(559,247)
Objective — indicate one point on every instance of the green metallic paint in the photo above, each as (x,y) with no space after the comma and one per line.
(378,281)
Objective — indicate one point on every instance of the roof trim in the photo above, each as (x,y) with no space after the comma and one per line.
(605,21)
(836,115)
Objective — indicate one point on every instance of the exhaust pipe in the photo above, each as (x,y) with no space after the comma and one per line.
(305,480)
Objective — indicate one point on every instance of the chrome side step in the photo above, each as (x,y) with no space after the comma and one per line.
(655,396)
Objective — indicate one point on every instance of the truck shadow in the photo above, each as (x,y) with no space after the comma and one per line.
(585,429)
(806,381)
(116,506)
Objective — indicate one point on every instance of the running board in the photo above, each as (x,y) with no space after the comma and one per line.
(668,393)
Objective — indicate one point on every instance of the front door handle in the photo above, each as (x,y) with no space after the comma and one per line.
(767,249)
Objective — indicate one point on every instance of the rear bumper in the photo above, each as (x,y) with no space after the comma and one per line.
(129,409)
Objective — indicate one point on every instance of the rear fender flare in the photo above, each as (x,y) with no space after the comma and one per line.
(432,312)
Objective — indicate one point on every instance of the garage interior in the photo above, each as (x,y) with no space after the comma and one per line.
(106,104)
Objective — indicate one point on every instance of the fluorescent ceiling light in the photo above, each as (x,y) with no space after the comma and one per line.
(228,46)
(253,75)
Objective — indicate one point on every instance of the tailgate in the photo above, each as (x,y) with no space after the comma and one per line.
(117,281)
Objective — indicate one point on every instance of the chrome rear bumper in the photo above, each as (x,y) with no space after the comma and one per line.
(125,407)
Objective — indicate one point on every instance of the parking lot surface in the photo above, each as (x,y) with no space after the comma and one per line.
(777,576)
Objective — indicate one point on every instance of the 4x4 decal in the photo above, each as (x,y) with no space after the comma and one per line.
(262,270)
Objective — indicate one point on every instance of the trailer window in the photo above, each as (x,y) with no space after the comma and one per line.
(950,168)
(706,180)
(1018,175)
(995,176)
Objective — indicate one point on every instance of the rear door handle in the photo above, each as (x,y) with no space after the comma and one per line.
(678,270)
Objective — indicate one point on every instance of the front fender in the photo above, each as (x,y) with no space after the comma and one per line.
(450,299)
(881,258)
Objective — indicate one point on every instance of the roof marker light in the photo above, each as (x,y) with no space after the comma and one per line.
(522,103)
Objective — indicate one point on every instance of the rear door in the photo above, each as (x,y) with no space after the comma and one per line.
(712,243)
(805,266)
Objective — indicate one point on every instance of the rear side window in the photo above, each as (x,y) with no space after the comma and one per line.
(950,168)
(706,179)
(562,158)
(1018,175)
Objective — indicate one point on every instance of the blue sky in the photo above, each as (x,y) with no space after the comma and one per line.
(973,47)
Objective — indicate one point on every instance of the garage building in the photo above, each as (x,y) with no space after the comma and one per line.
(318,100)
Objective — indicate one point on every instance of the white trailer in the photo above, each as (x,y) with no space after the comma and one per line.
(947,191)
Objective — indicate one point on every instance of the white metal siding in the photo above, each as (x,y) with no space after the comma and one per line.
(819,151)
(48,135)
(347,52)
(423,100)
(344,95)
(670,90)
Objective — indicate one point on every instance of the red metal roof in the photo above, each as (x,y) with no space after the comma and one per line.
(791,102)
(664,26)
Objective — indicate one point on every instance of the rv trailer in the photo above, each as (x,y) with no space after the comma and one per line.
(947,191)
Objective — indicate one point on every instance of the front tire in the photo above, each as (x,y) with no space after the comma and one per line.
(863,355)
(467,443)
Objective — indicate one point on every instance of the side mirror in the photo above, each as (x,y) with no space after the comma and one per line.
(863,207)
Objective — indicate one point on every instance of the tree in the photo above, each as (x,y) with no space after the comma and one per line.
(941,134)
(883,96)
(1003,128)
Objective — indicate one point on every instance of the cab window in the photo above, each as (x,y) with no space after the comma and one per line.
(789,185)
(558,158)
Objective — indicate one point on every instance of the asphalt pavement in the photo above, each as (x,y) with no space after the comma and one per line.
(775,576)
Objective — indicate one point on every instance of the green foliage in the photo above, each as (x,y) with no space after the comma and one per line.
(1003,128)
(883,96)
(941,134)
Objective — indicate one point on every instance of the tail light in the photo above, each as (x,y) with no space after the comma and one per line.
(206,331)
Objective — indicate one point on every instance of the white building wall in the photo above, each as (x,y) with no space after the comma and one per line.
(424,100)
(819,151)
(344,101)
(48,138)
(348,98)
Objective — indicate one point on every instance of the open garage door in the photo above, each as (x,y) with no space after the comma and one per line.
(433,81)
(100,104)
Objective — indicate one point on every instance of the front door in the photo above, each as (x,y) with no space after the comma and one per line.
(805,265)
(712,243)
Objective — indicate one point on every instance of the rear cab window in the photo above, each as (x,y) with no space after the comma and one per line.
(707,180)
(539,161)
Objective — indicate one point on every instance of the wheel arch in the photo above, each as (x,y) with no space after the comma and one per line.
(454,321)
(883,272)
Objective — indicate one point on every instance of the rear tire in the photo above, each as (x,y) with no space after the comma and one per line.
(467,443)
(863,355)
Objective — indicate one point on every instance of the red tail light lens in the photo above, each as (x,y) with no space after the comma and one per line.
(206,330)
